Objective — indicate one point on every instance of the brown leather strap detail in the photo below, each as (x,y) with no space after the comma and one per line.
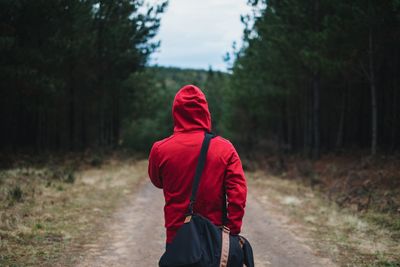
(225,247)
(241,241)
(188,218)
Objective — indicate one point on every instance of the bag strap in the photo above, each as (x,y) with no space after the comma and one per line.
(199,168)
(224,208)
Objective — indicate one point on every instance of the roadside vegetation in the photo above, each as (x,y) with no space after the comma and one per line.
(346,237)
(336,207)
(47,212)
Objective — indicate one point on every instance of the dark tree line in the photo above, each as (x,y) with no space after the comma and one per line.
(313,76)
(319,75)
(64,66)
(151,118)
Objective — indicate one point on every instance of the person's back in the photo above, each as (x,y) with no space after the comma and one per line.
(172,164)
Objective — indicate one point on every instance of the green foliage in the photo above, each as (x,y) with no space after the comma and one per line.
(151,94)
(63,65)
(64,174)
(15,193)
(73,76)
(38,226)
(96,160)
(303,76)
(142,133)
(70,177)
(387,220)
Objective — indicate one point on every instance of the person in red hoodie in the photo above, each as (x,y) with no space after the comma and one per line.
(173,160)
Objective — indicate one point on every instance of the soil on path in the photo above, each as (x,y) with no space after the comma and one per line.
(135,235)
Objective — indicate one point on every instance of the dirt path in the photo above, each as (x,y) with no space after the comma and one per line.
(273,244)
(136,236)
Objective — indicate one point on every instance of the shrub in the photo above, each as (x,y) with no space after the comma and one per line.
(15,193)
(97,160)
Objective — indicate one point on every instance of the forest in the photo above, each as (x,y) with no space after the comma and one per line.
(323,76)
(312,77)
(310,99)
(64,68)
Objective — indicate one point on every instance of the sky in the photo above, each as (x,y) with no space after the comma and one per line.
(198,33)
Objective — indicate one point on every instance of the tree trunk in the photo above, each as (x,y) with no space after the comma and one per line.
(316,91)
(71,117)
(339,139)
(394,111)
(316,112)
(289,125)
(308,133)
(374,109)
(116,118)
(83,127)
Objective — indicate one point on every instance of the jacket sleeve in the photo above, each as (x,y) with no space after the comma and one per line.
(154,167)
(236,192)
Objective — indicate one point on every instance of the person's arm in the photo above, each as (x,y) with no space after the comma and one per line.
(236,192)
(154,168)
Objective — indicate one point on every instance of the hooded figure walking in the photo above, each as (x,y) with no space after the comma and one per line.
(172,165)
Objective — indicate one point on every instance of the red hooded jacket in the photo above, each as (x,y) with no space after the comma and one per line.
(173,161)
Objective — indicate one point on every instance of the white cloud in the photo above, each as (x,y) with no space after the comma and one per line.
(198,33)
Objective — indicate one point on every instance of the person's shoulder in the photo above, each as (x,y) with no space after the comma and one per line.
(162,142)
(223,142)
(224,148)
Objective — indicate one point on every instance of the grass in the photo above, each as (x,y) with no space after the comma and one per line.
(347,237)
(46,213)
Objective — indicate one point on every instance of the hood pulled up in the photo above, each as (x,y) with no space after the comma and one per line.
(190,110)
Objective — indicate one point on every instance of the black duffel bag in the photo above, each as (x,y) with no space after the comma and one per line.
(200,243)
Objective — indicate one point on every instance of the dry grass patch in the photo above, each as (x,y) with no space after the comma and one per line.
(347,237)
(45,212)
